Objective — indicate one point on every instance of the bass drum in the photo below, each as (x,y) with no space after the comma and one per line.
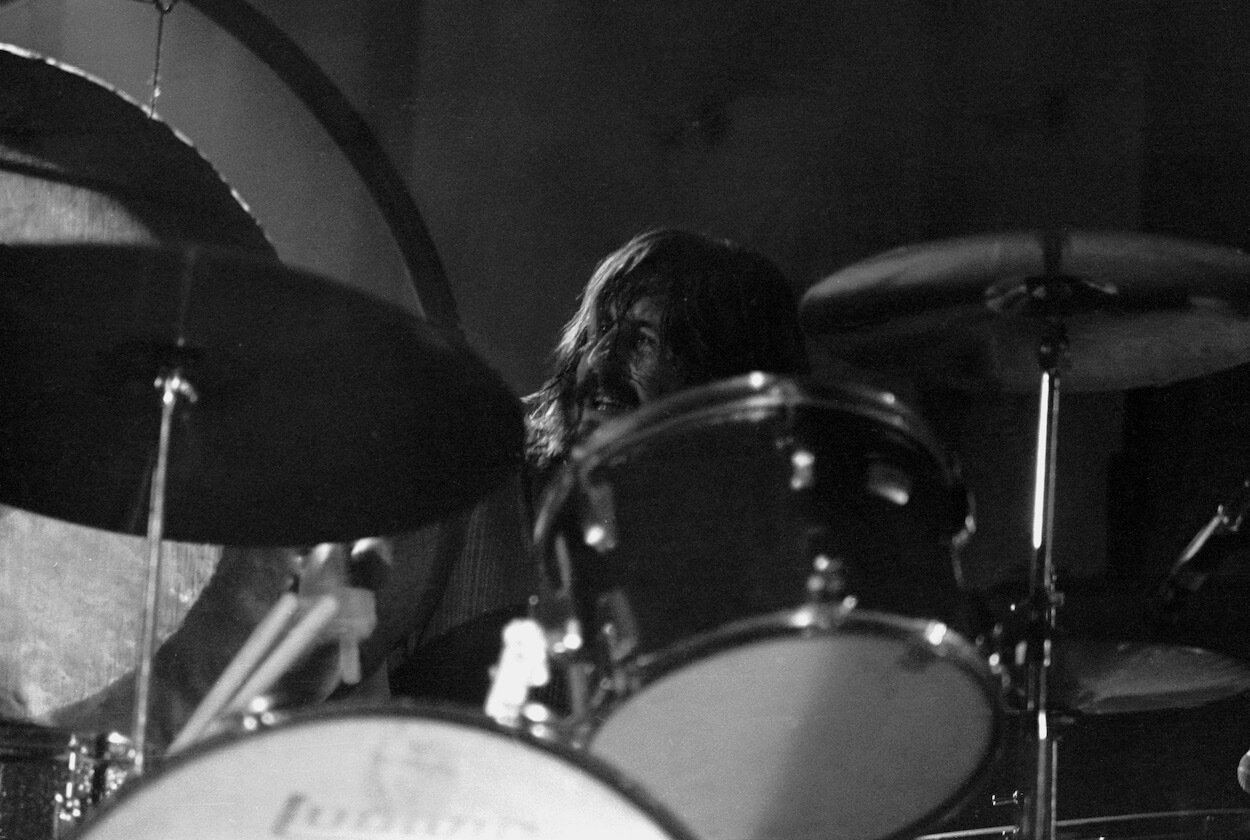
(381,772)
(765,574)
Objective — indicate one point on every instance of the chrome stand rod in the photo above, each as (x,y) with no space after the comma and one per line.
(172,387)
(1038,816)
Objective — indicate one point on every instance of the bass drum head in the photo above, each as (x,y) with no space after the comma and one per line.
(372,773)
(785,729)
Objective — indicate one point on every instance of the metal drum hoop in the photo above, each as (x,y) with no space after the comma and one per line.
(1222,823)
(931,638)
(758,395)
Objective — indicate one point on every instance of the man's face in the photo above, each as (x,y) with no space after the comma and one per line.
(627,363)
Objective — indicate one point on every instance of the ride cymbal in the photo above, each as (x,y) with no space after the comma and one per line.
(971,313)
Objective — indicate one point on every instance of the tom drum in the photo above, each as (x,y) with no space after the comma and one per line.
(766,578)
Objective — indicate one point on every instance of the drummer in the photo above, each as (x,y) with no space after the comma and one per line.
(668,310)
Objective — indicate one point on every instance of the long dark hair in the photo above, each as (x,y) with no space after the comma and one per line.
(727,311)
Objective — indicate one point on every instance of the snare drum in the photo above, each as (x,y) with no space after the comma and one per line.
(369,773)
(766,577)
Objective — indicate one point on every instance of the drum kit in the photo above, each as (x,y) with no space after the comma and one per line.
(750,621)
(749,593)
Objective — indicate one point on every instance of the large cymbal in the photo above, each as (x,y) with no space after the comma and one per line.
(323,414)
(970,313)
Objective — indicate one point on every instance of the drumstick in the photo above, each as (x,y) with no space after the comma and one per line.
(254,649)
(349,659)
(302,636)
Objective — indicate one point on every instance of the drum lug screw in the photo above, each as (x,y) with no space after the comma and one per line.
(802,469)
(599,527)
(827,580)
(618,627)
(1001,800)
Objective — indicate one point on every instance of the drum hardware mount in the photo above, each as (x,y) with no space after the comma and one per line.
(262,712)
(618,628)
(525,663)
(827,581)
(599,525)
(522,665)
(96,768)
(803,472)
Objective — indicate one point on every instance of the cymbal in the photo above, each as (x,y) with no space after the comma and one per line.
(1114,654)
(81,161)
(1098,677)
(323,414)
(971,313)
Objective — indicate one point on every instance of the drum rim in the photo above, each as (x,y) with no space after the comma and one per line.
(1077,822)
(818,620)
(602,771)
(815,620)
(758,392)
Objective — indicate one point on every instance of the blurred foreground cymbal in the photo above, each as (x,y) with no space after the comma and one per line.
(969,313)
(323,414)
(1098,677)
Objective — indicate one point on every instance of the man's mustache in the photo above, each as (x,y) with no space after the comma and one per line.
(606,386)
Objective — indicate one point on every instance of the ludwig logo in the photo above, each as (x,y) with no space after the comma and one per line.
(302,818)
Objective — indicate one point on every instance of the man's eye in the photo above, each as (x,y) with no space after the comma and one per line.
(646,338)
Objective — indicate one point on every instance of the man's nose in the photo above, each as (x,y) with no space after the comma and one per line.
(597,356)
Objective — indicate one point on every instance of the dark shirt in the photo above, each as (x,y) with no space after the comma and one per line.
(448,653)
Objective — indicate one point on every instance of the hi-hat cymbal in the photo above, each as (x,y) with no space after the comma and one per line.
(1098,677)
(322,413)
(970,313)
(1115,654)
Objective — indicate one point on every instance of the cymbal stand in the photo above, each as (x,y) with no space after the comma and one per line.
(1038,814)
(174,388)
